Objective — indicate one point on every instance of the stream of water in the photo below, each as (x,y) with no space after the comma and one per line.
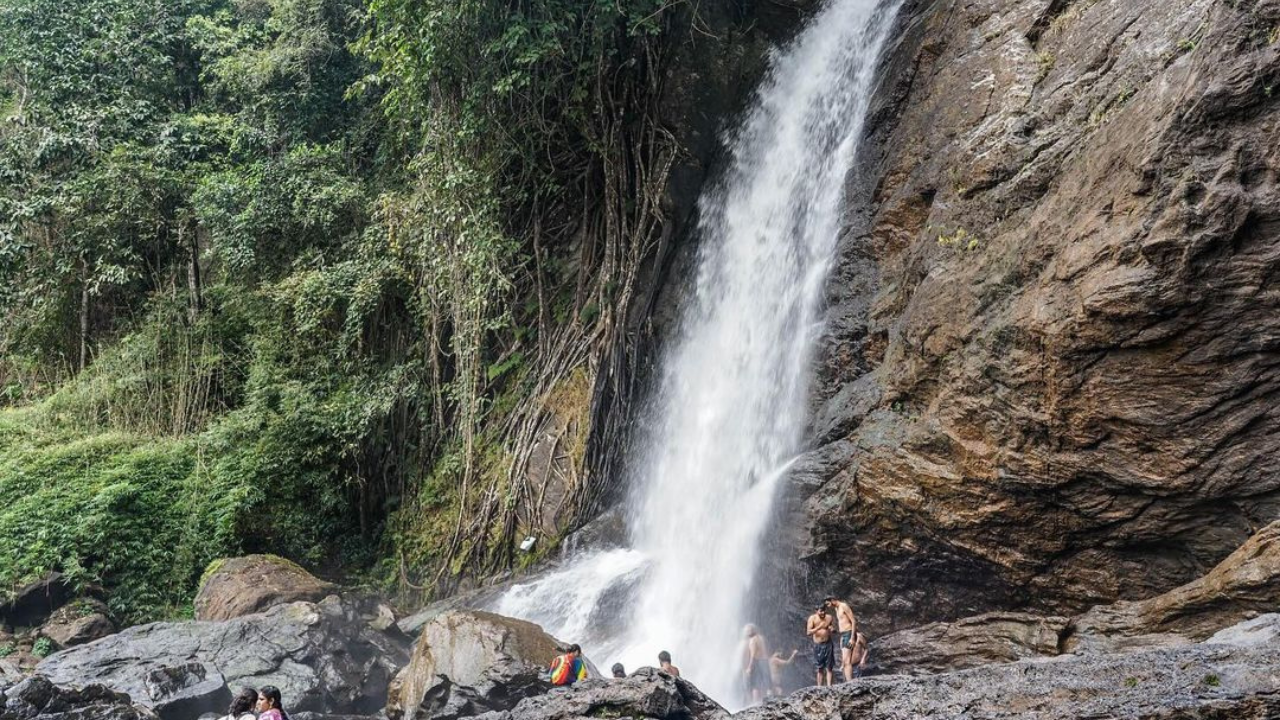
(731,407)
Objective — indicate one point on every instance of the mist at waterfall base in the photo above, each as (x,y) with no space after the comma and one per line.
(730,410)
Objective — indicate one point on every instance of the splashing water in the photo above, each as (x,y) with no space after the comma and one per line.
(731,406)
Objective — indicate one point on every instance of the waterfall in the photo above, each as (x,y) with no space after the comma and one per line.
(731,406)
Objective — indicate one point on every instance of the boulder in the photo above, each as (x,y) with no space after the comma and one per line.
(185,691)
(1242,586)
(39,699)
(382,617)
(991,638)
(647,693)
(245,585)
(1191,682)
(78,622)
(32,604)
(466,662)
(1264,630)
(323,656)
(479,597)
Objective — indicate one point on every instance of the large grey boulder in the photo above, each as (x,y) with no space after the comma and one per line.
(323,656)
(647,693)
(39,699)
(466,662)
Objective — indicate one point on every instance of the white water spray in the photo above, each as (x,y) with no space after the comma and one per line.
(731,407)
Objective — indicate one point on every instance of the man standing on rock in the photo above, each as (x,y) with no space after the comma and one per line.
(755,663)
(820,627)
(848,628)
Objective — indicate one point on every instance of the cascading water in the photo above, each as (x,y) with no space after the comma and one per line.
(731,407)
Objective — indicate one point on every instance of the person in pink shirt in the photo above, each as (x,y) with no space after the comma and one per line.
(269,705)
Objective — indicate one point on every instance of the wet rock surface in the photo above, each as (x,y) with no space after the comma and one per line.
(323,656)
(1190,683)
(1053,349)
(1241,587)
(647,693)
(997,637)
(465,663)
(39,699)
(254,583)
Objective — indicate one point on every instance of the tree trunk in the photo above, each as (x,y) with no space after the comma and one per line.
(84,320)
(194,301)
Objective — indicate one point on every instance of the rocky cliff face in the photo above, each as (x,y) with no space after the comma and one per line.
(1052,364)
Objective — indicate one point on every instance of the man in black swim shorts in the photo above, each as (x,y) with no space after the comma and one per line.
(820,627)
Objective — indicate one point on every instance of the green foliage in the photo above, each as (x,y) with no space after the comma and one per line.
(42,647)
(1044,62)
(257,268)
(262,215)
(97,507)
(961,239)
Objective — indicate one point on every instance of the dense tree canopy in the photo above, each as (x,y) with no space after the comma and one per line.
(298,275)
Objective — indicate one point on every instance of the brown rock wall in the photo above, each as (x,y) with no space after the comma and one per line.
(1065,297)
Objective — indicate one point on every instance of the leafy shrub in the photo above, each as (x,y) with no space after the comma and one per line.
(42,647)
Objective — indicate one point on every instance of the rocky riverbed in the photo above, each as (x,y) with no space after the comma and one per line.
(342,657)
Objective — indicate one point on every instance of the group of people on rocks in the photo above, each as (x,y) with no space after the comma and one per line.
(664,664)
(262,704)
(833,632)
(832,629)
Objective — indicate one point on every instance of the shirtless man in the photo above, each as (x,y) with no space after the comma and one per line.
(776,665)
(820,627)
(755,663)
(848,628)
(664,664)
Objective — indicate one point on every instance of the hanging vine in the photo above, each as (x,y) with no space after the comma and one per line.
(537,145)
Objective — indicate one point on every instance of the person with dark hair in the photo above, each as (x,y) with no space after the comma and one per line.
(568,668)
(820,627)
(618,671)
(242,706)
(664,663)
(270,706)
(848,624)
